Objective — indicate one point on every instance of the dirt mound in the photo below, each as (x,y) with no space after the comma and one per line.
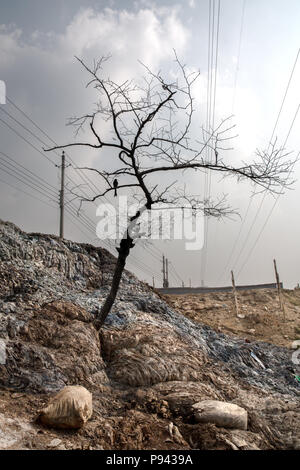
(146,369)
(260,316)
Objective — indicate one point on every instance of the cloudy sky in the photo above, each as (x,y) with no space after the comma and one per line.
(258,42)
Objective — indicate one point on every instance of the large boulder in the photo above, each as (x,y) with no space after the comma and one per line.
(71,408)
(222,414)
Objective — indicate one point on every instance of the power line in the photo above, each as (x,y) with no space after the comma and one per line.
(29,119)
(25,140)
(15,173)
(233,105)
(208,95)
(216,64)
(23,127)
(80,172)
(31,176)
(265,194)
(28,194)
(211,116)
(285,94)
(235,242)
(70,214)
(270,141)
(86,221)
(239,54)
(275,202)
(29,143)
(70,210)
(175,272)
(26,183)
(83,176)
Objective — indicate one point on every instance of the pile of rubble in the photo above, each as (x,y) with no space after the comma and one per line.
(146,370)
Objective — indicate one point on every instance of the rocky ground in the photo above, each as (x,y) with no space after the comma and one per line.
(146,369)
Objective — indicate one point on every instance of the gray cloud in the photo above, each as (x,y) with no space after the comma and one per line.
(42,76)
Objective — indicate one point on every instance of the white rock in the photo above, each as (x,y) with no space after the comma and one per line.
(2,352)
(223,414)
(54,443)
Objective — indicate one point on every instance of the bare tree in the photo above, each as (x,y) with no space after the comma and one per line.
(150,123)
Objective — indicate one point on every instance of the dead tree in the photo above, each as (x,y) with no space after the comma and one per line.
(150,134)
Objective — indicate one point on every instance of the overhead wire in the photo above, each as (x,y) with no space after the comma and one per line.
(20,170)
(26,193)
(273,206)
(254,221)
(85,220)
(211,99)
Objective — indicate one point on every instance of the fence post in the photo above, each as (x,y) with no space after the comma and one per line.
(234,294)
(279,290)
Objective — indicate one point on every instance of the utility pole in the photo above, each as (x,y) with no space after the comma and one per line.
(190,282)
(164,272)
(62,196)
(167,272)
(153,283)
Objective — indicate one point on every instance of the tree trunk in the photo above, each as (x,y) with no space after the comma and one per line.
(124,249)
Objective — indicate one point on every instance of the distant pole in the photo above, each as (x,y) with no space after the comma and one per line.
(279,289)
(234,294)
(182,284)
(167,272)
(164,272)
(62,196)
(153,283)
(190,282)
